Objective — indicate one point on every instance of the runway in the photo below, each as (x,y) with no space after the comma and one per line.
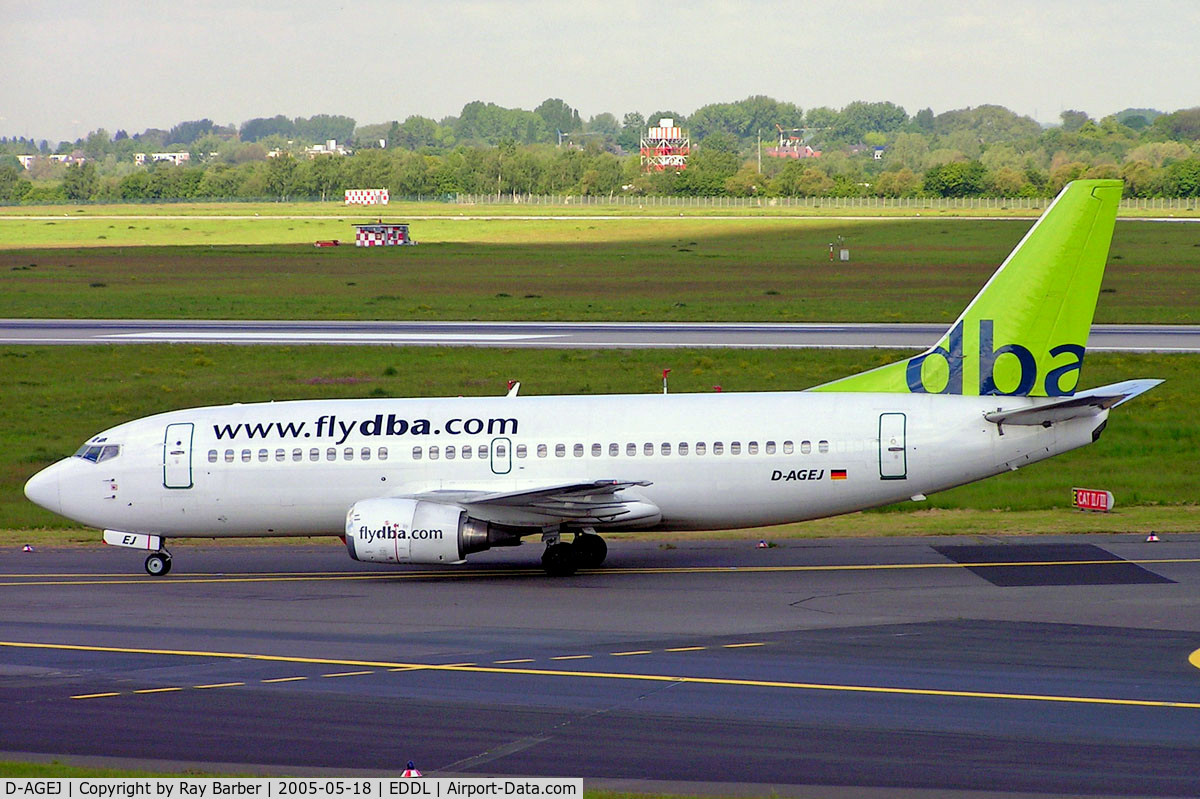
(1049,665)
(599,335)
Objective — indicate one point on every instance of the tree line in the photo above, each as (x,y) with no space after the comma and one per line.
(867,149)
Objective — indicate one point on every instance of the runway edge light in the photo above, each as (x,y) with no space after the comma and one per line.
(411,771)
(1152,538)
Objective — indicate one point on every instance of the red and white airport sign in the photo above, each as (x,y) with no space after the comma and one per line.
(1092,499)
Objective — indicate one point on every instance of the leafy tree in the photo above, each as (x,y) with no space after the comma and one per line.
(956,179)
(1073,120)
(415,133)
(79,181)
(260,128)
(630,137)
(1181,125)
(13,187)
(280,179)
(323,127)
(188,132)
(558,116)
(859,118)
(1182,178)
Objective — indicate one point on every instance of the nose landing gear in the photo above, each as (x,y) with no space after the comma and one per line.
(158,563)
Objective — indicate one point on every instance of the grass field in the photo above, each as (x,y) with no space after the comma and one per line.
(679,269)
(56,397)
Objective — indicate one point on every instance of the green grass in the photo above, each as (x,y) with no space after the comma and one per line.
(650,206)
(56,397)
(683,269)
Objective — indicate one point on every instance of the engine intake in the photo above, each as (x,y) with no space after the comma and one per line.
(416,531)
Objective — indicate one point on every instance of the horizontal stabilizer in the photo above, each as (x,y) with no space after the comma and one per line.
(1085,403)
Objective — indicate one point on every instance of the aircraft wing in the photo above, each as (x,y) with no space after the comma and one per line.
(597,502)
(1085,403)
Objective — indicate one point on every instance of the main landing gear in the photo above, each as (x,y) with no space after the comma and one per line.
(158,563)
(586,551)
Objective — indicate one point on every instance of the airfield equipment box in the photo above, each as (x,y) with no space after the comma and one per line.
(382,234)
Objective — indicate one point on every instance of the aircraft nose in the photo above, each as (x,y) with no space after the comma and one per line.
(43,488)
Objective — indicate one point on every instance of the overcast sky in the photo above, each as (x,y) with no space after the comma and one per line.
(69,68)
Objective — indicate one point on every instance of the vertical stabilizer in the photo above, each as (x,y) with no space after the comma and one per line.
(1026,332)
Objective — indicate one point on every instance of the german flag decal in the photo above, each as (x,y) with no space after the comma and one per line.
(837,474)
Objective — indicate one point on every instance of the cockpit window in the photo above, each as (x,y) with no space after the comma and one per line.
(98,453)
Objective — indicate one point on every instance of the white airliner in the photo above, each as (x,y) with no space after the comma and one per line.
(433,480)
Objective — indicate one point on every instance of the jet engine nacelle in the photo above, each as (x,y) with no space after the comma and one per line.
(414,531)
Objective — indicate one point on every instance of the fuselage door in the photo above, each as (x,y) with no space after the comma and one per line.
(893,452)
(501,452)
(177,455)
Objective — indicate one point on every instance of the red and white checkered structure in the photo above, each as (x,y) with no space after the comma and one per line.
(366,196)
(381,234)
(665,147)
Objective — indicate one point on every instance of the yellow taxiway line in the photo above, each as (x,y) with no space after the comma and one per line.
(607,675)
(10,580)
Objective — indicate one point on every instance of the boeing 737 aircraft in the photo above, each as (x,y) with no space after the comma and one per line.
(432,480)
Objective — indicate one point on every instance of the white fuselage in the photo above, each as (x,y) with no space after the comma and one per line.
(712,461)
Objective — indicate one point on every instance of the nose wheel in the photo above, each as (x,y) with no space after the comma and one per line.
(158,563)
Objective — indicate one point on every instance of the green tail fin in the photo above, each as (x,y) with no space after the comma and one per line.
(1026,332)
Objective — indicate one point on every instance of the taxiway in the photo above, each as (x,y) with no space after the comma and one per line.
(1054,666)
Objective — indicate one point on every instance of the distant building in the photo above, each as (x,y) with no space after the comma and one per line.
(178,159)
(70,159)
(139,159)
(330,147)
(26,160)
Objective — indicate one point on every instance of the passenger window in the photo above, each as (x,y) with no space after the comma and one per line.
(577,450)
(212,456)
(382,454)
(805,447)
(665,449)
(735,448)
(280,455)
(433,453)
(541,450)
(467,451)
(482,452)
(229,456)
(597,450)
(647,448)
(245,456)
(521,450)
(365,454)
(297,454)
(263,456)
(683,448)
(450,452)
(614,450)
(416,453)
(331,454)
(788,448)
(501,451)
(631,449)
(770,447)
(718,448)
(348,453)
(701,448)
(560,450)
(752,448)
(823,446)
(314,454)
